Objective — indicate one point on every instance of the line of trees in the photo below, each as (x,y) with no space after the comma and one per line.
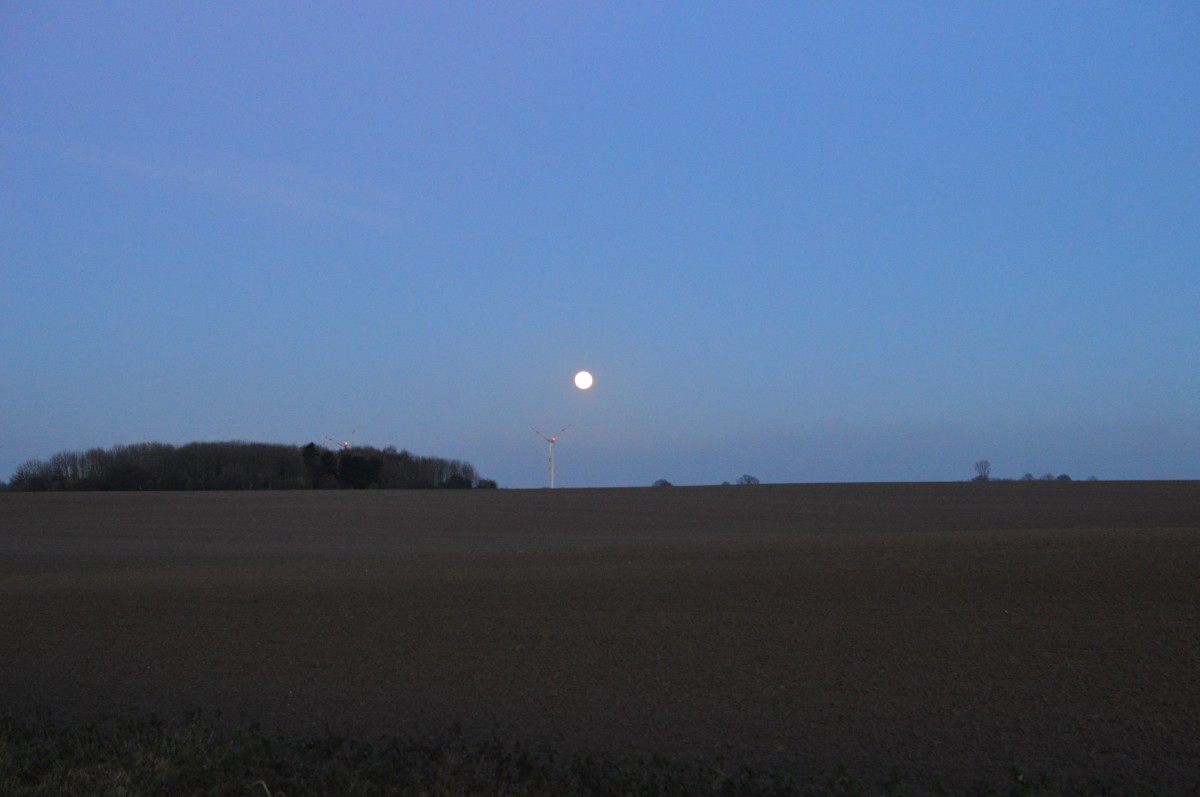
(240,465)
(983,473)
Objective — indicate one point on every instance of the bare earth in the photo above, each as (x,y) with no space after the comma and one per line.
(952,630)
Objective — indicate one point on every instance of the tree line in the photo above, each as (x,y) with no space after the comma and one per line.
(241,465)
(983,473)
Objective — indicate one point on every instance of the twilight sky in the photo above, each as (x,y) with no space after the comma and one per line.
(806,241)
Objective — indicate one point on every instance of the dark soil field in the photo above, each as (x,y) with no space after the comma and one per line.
(949,630)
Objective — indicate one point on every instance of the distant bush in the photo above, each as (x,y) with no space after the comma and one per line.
(662,483)
(746,478)
(1050,477)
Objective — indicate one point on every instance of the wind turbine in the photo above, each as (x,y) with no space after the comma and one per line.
(551,440)
(343,444)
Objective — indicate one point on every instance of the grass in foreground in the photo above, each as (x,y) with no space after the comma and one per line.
(136,758)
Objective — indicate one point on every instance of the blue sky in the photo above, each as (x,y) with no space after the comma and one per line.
(806,241)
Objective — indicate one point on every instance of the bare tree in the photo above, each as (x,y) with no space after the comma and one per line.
(983,469)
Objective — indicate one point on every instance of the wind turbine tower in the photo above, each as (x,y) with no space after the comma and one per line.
(551,441)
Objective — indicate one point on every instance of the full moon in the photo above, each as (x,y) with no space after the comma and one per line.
(583,380)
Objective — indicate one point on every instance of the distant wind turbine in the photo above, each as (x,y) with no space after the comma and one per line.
(551,441)
(342,444)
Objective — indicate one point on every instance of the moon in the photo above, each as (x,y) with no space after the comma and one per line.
(583,380)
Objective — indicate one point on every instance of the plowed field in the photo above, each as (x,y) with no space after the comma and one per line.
(950,630)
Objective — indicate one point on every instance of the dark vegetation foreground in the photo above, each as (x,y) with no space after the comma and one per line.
(732,640)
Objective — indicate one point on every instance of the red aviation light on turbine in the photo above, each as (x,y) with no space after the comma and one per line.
(343,444)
